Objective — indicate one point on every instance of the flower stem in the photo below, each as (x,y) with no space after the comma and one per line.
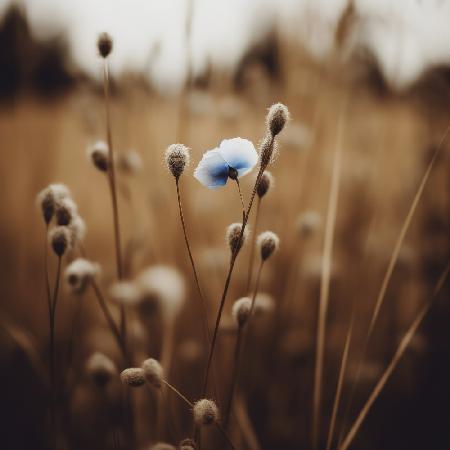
(252,246)
(113,189)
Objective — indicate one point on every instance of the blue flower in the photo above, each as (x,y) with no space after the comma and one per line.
(234,158)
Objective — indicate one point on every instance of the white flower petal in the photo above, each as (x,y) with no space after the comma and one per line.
(212,170)
(239,153)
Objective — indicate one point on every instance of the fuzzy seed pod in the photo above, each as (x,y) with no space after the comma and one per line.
(100,369)
(277,117)
(125,293)
(265,182)
(77,229)
(177,158)
(268,242)
(60,240)
(153,372)
(133,377)
(104,44)
(264,304)
(49,197)
(233,234)
(187,444)
(205,412)
(66,210)
(162,446)
(308,223)
(99,155)
(241,310)
(268,149)
(79,273)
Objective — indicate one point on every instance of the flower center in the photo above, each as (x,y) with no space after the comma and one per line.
(232,173)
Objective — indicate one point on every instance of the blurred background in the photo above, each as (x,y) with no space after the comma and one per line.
(197,72)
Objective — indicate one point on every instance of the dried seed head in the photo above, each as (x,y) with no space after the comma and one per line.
(265,182)
(264,304)
(205,412)
(133,377)
(177,158)
(233,237)
(187,444)
(125,293)
(77,229)
(164,286)
(129,163)
(277,117)
(104,44)
(268,149)
(162,446)
(79,273)
(153,372)
(66,210)
(49,197)
(308,223)
(99,155)
(100,369)
(59,238)
(241,310)
(268,242)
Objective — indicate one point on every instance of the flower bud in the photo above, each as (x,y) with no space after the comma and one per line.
(100,369)
(177,158)
(265,182)
(49,197)
(241,310)
(99,155)
(277,117)
(133,377)
(66,210)
(78,274)
(205,412)
(267,243)
(233,236)
(104,44)
(59,238)
(153,372)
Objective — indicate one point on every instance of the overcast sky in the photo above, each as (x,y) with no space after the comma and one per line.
(406,36)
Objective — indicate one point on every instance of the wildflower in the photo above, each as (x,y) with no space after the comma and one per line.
(165,286)
(241,310)
(133,377)
(233,159)
(79,273)
(49,197)
(60,241)
(233,237)
(104,44)
(99,154)
(153,372)
(205,412)
(100,369)
(177,158)
(268,243)
(265,182)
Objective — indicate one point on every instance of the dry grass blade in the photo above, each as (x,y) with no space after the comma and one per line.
(392,365)
(325,281)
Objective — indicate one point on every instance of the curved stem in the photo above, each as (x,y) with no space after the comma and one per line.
(113,189)
(241,198)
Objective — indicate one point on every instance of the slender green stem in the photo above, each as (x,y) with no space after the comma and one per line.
(252,246)
(113,189)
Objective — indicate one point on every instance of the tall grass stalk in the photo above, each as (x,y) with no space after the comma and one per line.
(393,363)
(387,278)
(325,281)
(113,189)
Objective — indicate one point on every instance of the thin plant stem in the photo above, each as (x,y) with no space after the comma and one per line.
(393,363)
(245,425)
(388,275)
(53,304)
(252,246)
(240,343)
(227,281)
(113,189)
(340,384)
(325,281)
(241,197)
(47,280)
(109,319)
